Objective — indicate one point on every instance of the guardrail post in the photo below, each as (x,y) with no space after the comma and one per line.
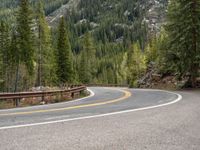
(43,97)
(16,102)
(75,94)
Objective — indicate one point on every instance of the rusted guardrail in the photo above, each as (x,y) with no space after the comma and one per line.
(16,97)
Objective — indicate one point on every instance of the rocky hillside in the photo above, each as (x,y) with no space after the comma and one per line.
(120,19)
(53,18)
(125,15)
(155,14)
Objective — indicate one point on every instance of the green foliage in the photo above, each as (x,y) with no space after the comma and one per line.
(163,59)
(91,48)
(152,49)
(64,56)
(84,72)
(10,7)
(183,28)
(4,54)
(26,35)
(45,58)
(136,62)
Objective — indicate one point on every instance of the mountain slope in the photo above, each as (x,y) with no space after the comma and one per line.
(108,28)
(9,7)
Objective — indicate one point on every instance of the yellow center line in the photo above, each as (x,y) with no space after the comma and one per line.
(127,94)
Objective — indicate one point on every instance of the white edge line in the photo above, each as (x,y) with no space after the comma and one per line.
(46,105)
(97,116)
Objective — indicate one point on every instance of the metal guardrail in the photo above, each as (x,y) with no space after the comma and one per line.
(107,85)
(72,92)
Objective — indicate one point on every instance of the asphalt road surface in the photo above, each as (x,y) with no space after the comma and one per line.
(110,119)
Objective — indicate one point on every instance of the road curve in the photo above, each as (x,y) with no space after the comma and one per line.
(112,118)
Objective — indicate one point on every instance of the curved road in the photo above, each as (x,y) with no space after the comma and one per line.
(111,118)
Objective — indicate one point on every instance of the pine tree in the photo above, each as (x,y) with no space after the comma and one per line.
(26,36)
(25,39)
(183,29)
(88,47)
(4,54)
(15,60)
(84,72)
(64,56)
(45,59)
(136,64)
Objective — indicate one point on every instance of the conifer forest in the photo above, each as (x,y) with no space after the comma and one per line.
(126,42)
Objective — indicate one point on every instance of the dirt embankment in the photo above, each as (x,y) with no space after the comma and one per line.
(153,79)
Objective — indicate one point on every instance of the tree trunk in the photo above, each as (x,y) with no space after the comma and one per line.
(16,84)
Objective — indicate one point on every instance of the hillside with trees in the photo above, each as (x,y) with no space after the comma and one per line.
(134,42)
(9,7)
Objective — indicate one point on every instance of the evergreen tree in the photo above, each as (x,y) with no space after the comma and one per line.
(64,55)
(26,36)
(183,29)
(88,47)
(136,64)
(84,72)
(15,60)
(45,59)
(88,67)
(25,40)
(4,54)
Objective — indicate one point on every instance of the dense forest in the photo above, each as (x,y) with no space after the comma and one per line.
(99,42)
(9,7)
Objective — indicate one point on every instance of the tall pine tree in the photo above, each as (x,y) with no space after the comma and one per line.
(65,72)
(26,35)
(15,59)
(45,59)
(4,55)
(88,60)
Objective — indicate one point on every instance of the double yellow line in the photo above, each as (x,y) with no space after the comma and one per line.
(126,95)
